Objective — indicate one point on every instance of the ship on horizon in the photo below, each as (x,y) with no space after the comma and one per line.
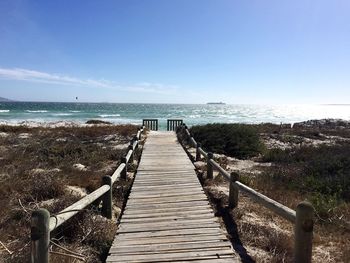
(216,103)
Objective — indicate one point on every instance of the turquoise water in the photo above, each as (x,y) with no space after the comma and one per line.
(17,112)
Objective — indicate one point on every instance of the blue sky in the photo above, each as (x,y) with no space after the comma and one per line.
(179,51)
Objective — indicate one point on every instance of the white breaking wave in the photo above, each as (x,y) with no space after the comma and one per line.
(62,114)
(109,115)
(4,111)
(36,111)
(75,111)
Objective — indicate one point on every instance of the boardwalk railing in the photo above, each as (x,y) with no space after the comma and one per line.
(151,124)
(302,218)
(42,223)
(172,124)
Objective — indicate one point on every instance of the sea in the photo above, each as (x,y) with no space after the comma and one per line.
(192,114)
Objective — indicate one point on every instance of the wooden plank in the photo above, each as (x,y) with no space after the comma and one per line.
(166,202)
(169,247)
(146,228)
(166,205)
(169,210)
(171,233)
(164,217)
(204,237)
(157,191)
(164,185)
(219,260)
(168,223)
(180,197)
(206,254)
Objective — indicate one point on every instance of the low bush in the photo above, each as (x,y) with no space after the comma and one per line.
(321,174)
(97,122)
(237,140)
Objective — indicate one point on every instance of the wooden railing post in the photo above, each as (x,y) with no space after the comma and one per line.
(140,134)
(209,166)
(107,198)
(130,147)
(123,174)
(233,194)
(40,236)
(198,154)
(304,225)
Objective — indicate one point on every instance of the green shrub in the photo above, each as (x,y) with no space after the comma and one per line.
(321,173)
(324,169)
(238,140)
(276,155)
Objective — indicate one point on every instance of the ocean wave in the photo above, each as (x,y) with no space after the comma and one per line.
(75,111)
(109,115)
(36,111)
(62,114)
(123,121)
(4,111)
(194,116)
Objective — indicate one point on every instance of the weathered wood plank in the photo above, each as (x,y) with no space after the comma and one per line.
(171,233)
(165,211)
(170,247)
(167,205)
(120,241)
(147,228)
(168,217)
(206,254)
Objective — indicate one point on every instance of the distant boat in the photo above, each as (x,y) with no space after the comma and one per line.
(216,103)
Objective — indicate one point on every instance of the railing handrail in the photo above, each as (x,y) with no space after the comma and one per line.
(269,203)
(284,211)
(70,211)
(87,200)
(302,218)
(42,223)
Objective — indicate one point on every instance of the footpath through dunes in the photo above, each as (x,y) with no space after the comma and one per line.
(168,217)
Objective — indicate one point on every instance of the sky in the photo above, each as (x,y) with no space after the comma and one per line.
(179,51)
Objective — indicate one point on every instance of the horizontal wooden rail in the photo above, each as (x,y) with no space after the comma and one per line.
(269,203)
(202,152)
(70,211)
(117,172)
(127,157)
(276,207)
(42,223)
(302,218)
(193,142)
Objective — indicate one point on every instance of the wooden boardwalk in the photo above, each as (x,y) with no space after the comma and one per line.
(168,217)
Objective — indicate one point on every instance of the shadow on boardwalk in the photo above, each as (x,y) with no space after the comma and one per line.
(219,203)
(221,210)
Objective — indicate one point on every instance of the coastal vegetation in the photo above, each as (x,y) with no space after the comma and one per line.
(237,140)
(310,161)
(52,168)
